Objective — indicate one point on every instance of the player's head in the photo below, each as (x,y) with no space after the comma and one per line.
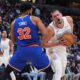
(4,34)
(26,7)
(56,15)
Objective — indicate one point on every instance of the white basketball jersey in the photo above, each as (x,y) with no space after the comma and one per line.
(5,47)
(58,33)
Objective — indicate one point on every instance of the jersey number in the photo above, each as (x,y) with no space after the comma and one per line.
(24,33)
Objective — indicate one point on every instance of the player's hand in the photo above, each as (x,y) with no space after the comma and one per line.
(63,42)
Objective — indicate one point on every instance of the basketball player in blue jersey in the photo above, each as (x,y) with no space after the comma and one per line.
(24,32)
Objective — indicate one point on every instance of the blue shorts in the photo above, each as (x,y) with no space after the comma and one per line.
(23,55)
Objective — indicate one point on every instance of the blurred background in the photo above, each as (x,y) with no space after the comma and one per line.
(9,10)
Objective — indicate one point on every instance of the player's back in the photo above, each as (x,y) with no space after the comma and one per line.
(25,32)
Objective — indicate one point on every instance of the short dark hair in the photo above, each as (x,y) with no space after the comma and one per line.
(55,10)
(3,30)
(25,6)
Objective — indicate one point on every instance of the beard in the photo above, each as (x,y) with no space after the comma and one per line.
(59,21)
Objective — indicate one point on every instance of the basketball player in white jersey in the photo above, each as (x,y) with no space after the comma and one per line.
(56,50)
(6,46)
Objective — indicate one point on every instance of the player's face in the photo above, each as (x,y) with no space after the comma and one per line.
(57,16)
(4,34)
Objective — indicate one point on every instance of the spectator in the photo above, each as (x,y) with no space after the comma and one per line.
(78,67)
(37,12)
(68,70)
(6,46)
(73,68)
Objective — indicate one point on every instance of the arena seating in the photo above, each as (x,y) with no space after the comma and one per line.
(71,76)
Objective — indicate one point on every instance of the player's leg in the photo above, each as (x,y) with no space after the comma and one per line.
(55,64)
(64,63)
(41,62)
(57,67)
(16,65)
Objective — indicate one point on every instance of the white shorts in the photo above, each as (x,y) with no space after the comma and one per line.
(58,61)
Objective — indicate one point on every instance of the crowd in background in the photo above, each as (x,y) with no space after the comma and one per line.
(9,12)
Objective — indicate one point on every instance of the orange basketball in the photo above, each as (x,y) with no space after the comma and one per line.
(70,38)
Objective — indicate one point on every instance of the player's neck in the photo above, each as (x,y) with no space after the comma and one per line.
(60,21)
(26,13)
(60,24)
(22,15)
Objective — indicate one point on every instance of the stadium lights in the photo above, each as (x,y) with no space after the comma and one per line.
(29,0)
(23,0)
(33,1)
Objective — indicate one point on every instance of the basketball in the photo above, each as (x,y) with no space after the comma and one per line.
(70,38)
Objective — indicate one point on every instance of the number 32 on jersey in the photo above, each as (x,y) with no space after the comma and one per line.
(24,33)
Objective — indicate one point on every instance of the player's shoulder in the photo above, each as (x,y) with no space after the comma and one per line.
(69,18)
(51,24)
(35,18)
(50,29)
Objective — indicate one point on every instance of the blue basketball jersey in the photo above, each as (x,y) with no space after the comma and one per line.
(25,32)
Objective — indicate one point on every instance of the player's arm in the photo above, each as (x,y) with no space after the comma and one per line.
(46,32)
(49,43)
(37,21)
(70,21)
(11,47)
(41,26)
(12,33)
